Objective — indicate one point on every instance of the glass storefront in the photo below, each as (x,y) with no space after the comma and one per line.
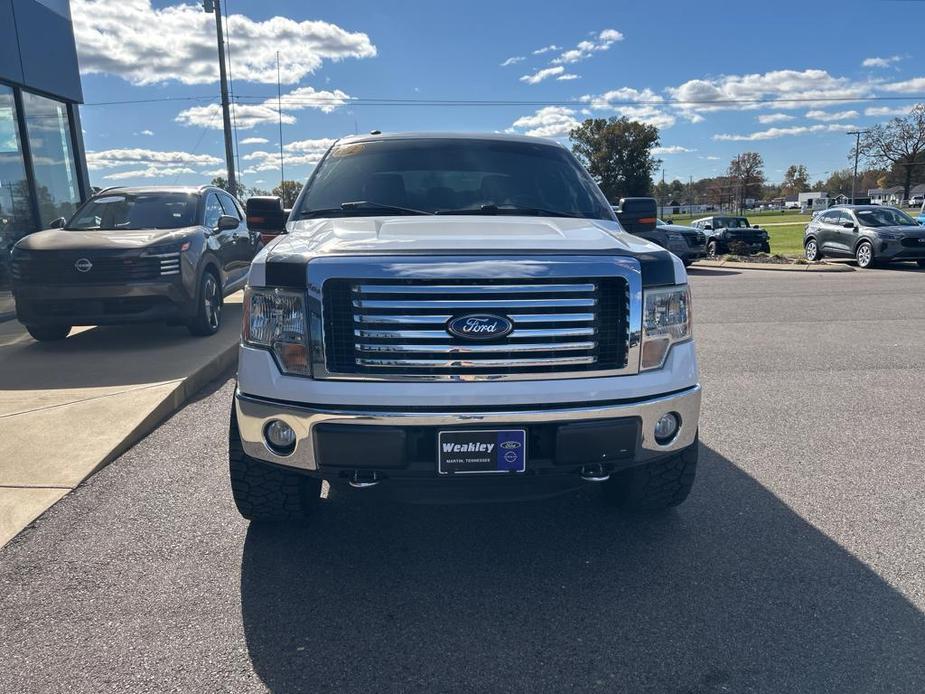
(16,218)
(49,128)
(55,178)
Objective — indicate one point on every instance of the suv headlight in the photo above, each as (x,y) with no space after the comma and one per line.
(666,320)
(274,319)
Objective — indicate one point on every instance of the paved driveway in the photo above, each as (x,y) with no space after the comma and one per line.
(797,564)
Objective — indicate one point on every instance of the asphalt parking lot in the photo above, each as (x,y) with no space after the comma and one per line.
(797,564)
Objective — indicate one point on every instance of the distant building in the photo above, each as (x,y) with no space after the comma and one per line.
(43,170)
(886,196)
(814,200)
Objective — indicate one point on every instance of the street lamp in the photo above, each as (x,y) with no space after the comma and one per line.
(857,147)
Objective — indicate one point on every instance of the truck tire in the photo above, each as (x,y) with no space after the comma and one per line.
(265,492)
(48,333)
(654,486)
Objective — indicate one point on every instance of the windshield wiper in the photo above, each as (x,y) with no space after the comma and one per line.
(361,205)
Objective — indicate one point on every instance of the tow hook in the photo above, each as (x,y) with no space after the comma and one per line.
(364,480)
(594,473)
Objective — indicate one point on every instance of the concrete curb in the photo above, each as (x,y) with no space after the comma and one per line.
(813,267)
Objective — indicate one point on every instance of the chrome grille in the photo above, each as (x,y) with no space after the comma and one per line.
(106,267)
(400,327)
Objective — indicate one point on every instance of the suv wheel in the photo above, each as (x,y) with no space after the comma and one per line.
(208,317)
(655,486)
(812,250)
(48,333)
(864,254)
(265,492)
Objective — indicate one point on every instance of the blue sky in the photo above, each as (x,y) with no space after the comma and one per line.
(716,81)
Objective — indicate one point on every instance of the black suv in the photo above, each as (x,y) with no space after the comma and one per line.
(871,234)
(132,255)
(728,234)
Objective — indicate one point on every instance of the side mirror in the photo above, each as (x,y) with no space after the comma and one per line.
(756,226)
(848,225)
(708,227)
(226,221)
(58,223)
(266,215)
(637,214)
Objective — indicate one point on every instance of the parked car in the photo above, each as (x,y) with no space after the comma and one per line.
(723,232)
(132,255)
(872,234)
(917,201)
(687,243)
(921,218)
(461,317)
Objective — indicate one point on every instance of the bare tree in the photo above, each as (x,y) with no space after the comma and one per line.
(900,143)
(746,174)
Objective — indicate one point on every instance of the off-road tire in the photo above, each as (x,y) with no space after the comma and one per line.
(48,333)
(654,487)
(208,318)
(265,492)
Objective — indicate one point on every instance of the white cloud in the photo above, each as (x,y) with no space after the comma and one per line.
(640,105)
(567,76)
(549,121)
(254,141)
(828,116)
(672,149)
(585,49)
(547,49)
(513,60)
(149,133)
(768,118)
(914,86)
(112,158)
(711,157)
(543,74)
(145,45)
(149,172)
(887,111)
(774,133)
(298,153)
(881,62)
(247,116)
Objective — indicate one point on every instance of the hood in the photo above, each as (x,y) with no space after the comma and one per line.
(391,235)
(65,240)
(901,230)
(680,229)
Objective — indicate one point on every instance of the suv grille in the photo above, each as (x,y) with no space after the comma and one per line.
(113,267)
(398,327)
(694,240)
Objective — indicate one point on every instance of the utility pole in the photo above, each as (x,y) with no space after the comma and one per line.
(216,7)
(857,147)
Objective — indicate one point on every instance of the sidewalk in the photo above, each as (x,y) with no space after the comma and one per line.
(69,408)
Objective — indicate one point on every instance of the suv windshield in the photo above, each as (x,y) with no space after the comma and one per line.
(885,217)
(121,211)
(458,176)
(731,223)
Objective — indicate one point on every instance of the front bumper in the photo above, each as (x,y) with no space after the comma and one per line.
(401,442)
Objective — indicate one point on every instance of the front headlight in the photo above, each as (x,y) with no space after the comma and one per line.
(666,320)
(887,235)
(274,319)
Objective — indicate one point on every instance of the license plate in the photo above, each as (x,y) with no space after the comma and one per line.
(481,451)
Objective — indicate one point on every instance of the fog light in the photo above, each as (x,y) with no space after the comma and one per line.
(279,436)
(666,428)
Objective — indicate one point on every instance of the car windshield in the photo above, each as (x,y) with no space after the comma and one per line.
(885,217)
(731,223)
(122,211)
(451,176)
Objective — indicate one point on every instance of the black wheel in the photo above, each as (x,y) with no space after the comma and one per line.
(655,486)
(920,263)
(711,249)
(208,318)
(812,250)
(48,333)
(864,254)
(265,492)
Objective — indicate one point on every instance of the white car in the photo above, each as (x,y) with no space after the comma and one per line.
(461,317)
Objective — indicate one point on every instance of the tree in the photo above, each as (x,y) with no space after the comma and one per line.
(288,191)
(796,180)
(618,155)
(746,177)
(221,182)
(898,143)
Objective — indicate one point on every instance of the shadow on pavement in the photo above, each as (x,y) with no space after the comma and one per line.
(732,592)
(710,272)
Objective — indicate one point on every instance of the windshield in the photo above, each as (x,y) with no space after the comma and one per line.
(885,217)
(444,176)
(731,223)
(123,211)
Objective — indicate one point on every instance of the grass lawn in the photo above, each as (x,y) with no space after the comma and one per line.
(787,240)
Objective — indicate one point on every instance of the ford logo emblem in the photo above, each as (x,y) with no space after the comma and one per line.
(511,445)
(83,265)
(479,326)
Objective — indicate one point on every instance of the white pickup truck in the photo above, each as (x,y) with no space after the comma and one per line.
(460,318)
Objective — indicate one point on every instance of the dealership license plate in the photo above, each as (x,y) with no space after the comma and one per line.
(481,451)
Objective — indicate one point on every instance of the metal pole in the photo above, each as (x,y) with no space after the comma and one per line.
(857,147)
(226,110)
(279,115)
